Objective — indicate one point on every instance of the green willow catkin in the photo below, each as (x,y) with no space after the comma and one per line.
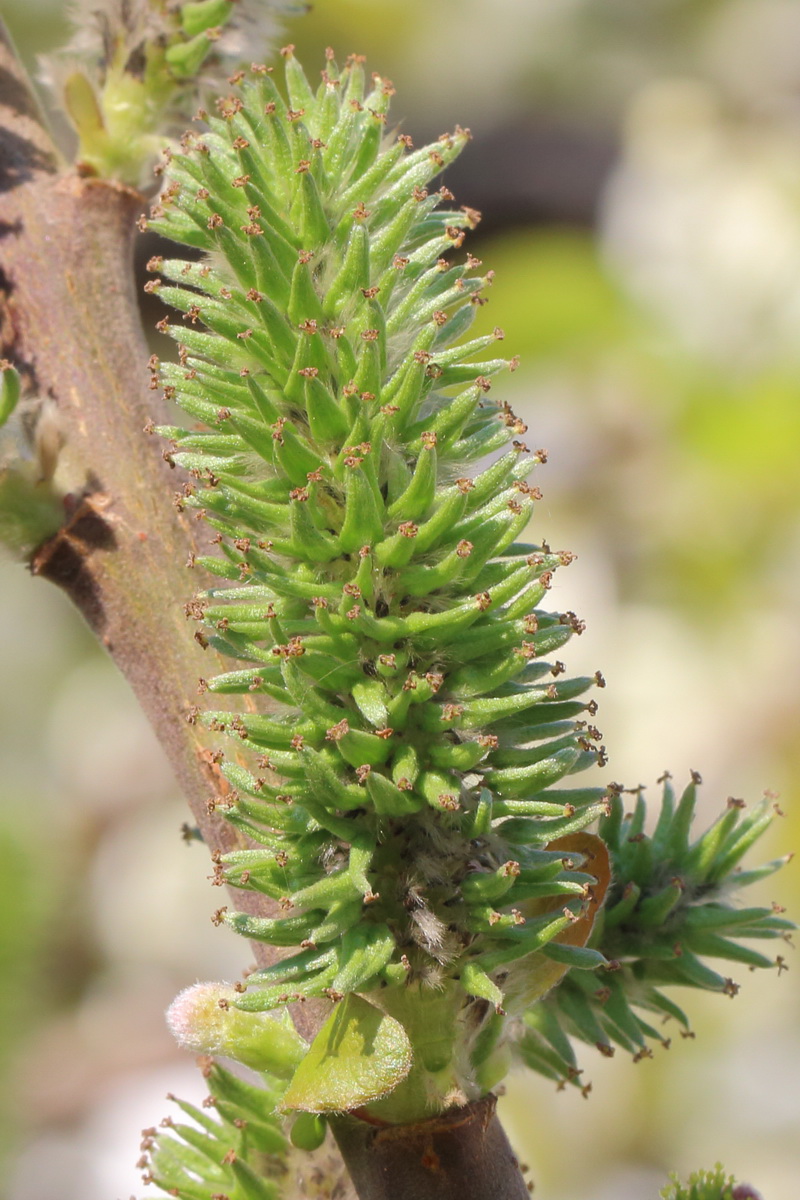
(673,902)
(406,724)
(377,586)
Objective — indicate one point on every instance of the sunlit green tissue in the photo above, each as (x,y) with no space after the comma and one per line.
(204,1018)
(359,1055)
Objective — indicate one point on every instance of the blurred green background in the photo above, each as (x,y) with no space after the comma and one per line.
(638,166)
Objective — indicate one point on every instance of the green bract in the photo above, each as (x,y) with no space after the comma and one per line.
(403,724)
(359,1055)
(9,390)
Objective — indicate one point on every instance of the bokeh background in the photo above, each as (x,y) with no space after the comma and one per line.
(638,165)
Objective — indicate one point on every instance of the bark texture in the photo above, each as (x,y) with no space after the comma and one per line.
(69,322)
(461,1155)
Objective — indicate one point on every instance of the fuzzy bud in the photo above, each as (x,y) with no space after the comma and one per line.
(204,1018)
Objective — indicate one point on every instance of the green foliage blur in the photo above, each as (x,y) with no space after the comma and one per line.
(659,337)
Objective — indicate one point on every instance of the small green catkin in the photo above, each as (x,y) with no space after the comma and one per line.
(234,1145)
(673,902)
(405,728)
(709,1185)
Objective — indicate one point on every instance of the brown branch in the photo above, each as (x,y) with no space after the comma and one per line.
(69,321)
(71,326)
(461,1155)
